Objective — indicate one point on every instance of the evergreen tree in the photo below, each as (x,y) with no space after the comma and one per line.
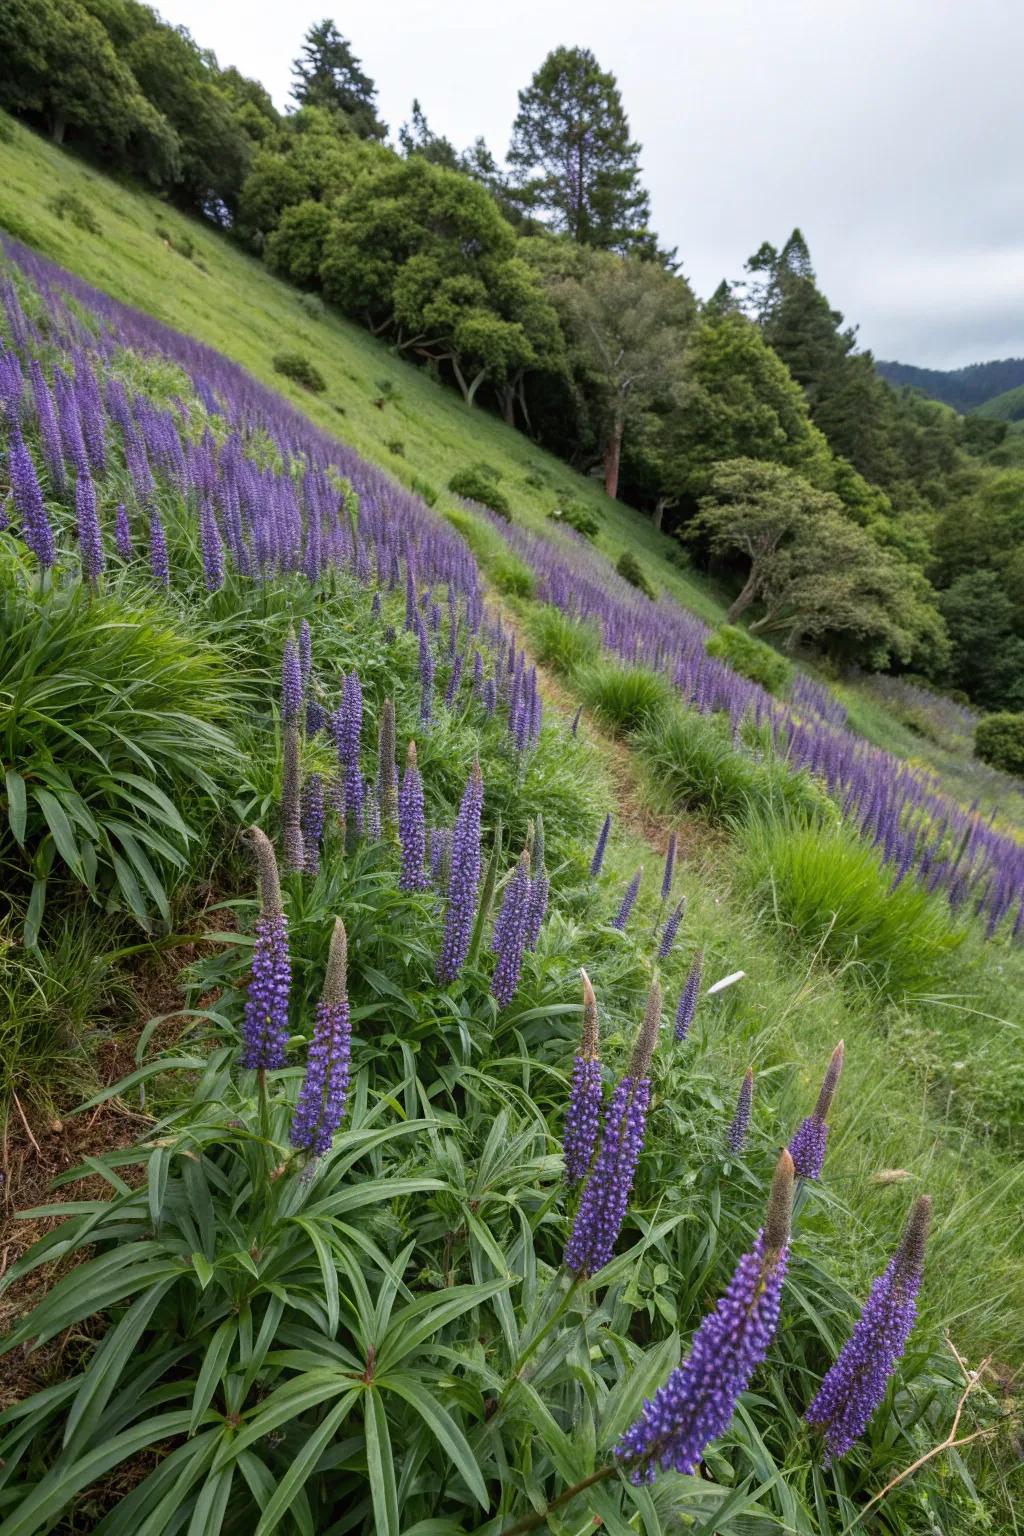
(416,137)
(572,157)
(328,74)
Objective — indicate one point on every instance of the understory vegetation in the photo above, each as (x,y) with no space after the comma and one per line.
(318,799)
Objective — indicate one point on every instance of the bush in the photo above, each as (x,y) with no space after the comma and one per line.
(999,741)
(563,643)
(512,575)
(424,489)
(111,741)
(579,517)
(477,483)
(68,205)
(396,446)
(295,249)
(177,240)
(828,888)
(313,305)
(630,569)
(297,366)
(751,658)
(625,698)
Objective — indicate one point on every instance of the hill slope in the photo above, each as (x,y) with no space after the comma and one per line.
(965,389)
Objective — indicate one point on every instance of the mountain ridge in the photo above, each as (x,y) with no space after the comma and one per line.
(965,389)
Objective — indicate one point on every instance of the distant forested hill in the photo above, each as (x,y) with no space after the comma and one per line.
(965,389)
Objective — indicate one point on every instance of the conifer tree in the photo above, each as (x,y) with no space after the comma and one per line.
(328,74)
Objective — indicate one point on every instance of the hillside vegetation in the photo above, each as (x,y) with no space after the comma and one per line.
(340,1200)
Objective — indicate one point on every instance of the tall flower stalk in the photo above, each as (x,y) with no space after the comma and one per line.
(265,1024)
(855,1386)
(321,1102)
(741,1119)
(602,844)
(583,1114)
(412,827)
(622,916)
(811,1138)
(688,1001)
(463,880)
(698,1401)
(603,1205)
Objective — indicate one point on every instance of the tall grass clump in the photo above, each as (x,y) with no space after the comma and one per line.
(827,889)
(693,763)
(113,746)
(626,699)
(562,643)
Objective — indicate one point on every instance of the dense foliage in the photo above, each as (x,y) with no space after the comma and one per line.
(417,1227)
(999,740)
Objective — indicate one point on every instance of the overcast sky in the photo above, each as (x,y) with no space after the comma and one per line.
(889,130)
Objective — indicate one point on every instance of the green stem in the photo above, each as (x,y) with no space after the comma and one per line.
(531,1522)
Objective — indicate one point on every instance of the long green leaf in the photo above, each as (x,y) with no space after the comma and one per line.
(302,1466)
(16,806)
(444,1429)
(211,1371)
(380,1465)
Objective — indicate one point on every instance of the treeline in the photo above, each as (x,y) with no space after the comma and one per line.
(877,523)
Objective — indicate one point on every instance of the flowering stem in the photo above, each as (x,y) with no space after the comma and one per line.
(531,1522)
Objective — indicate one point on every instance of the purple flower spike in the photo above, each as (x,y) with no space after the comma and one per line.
(123,533)
(809,1142)
(212,548)
(576,721)
(537,908)
(291,683)
(510,933)
(305,653)
(583,1115)
(671,928)
(698,1401)
(856,1384)
(463,880)
(312,822)
(741,1119)
(158,558)
(28,502)
(90,540)
(602,843)
(688,1002)
(605,1197)
(412,830)
(321,1102)
(670,866)
(621,917)
(265,1026)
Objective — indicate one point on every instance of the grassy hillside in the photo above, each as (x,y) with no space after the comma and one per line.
(421,432)
(1009,406)
(449,1235)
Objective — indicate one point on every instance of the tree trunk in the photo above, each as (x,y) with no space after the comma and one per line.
(659,511)
(746,597)
(507,399)
(58,123)
(471,395)
(612,457)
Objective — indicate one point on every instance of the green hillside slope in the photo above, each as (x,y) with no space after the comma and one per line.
(1009,406)
(385,408)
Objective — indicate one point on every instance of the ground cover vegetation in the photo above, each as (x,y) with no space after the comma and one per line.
(400,1222)
(398,1197)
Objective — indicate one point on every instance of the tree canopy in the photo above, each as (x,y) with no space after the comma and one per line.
(328,74)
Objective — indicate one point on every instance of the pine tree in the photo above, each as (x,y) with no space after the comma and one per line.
(416,137)
(572,157)
(328,74)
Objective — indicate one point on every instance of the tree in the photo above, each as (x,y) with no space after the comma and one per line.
(813,573)
(417,138)
(988,648)
(426,255)
(328,74)
(310,160)
(572,157)
(57,62)
(625,320)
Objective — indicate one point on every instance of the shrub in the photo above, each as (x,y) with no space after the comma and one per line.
(68,205)
(297,366)
(386,394)
(751,658)
(396,446)
(630,569)
(177,240)
(476,483)
(295,249)
(624,698)
(109,740)
(828,888)
(425,489)
(999,741)
(512,575)
(579,517)
(313,305)
(563,643)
